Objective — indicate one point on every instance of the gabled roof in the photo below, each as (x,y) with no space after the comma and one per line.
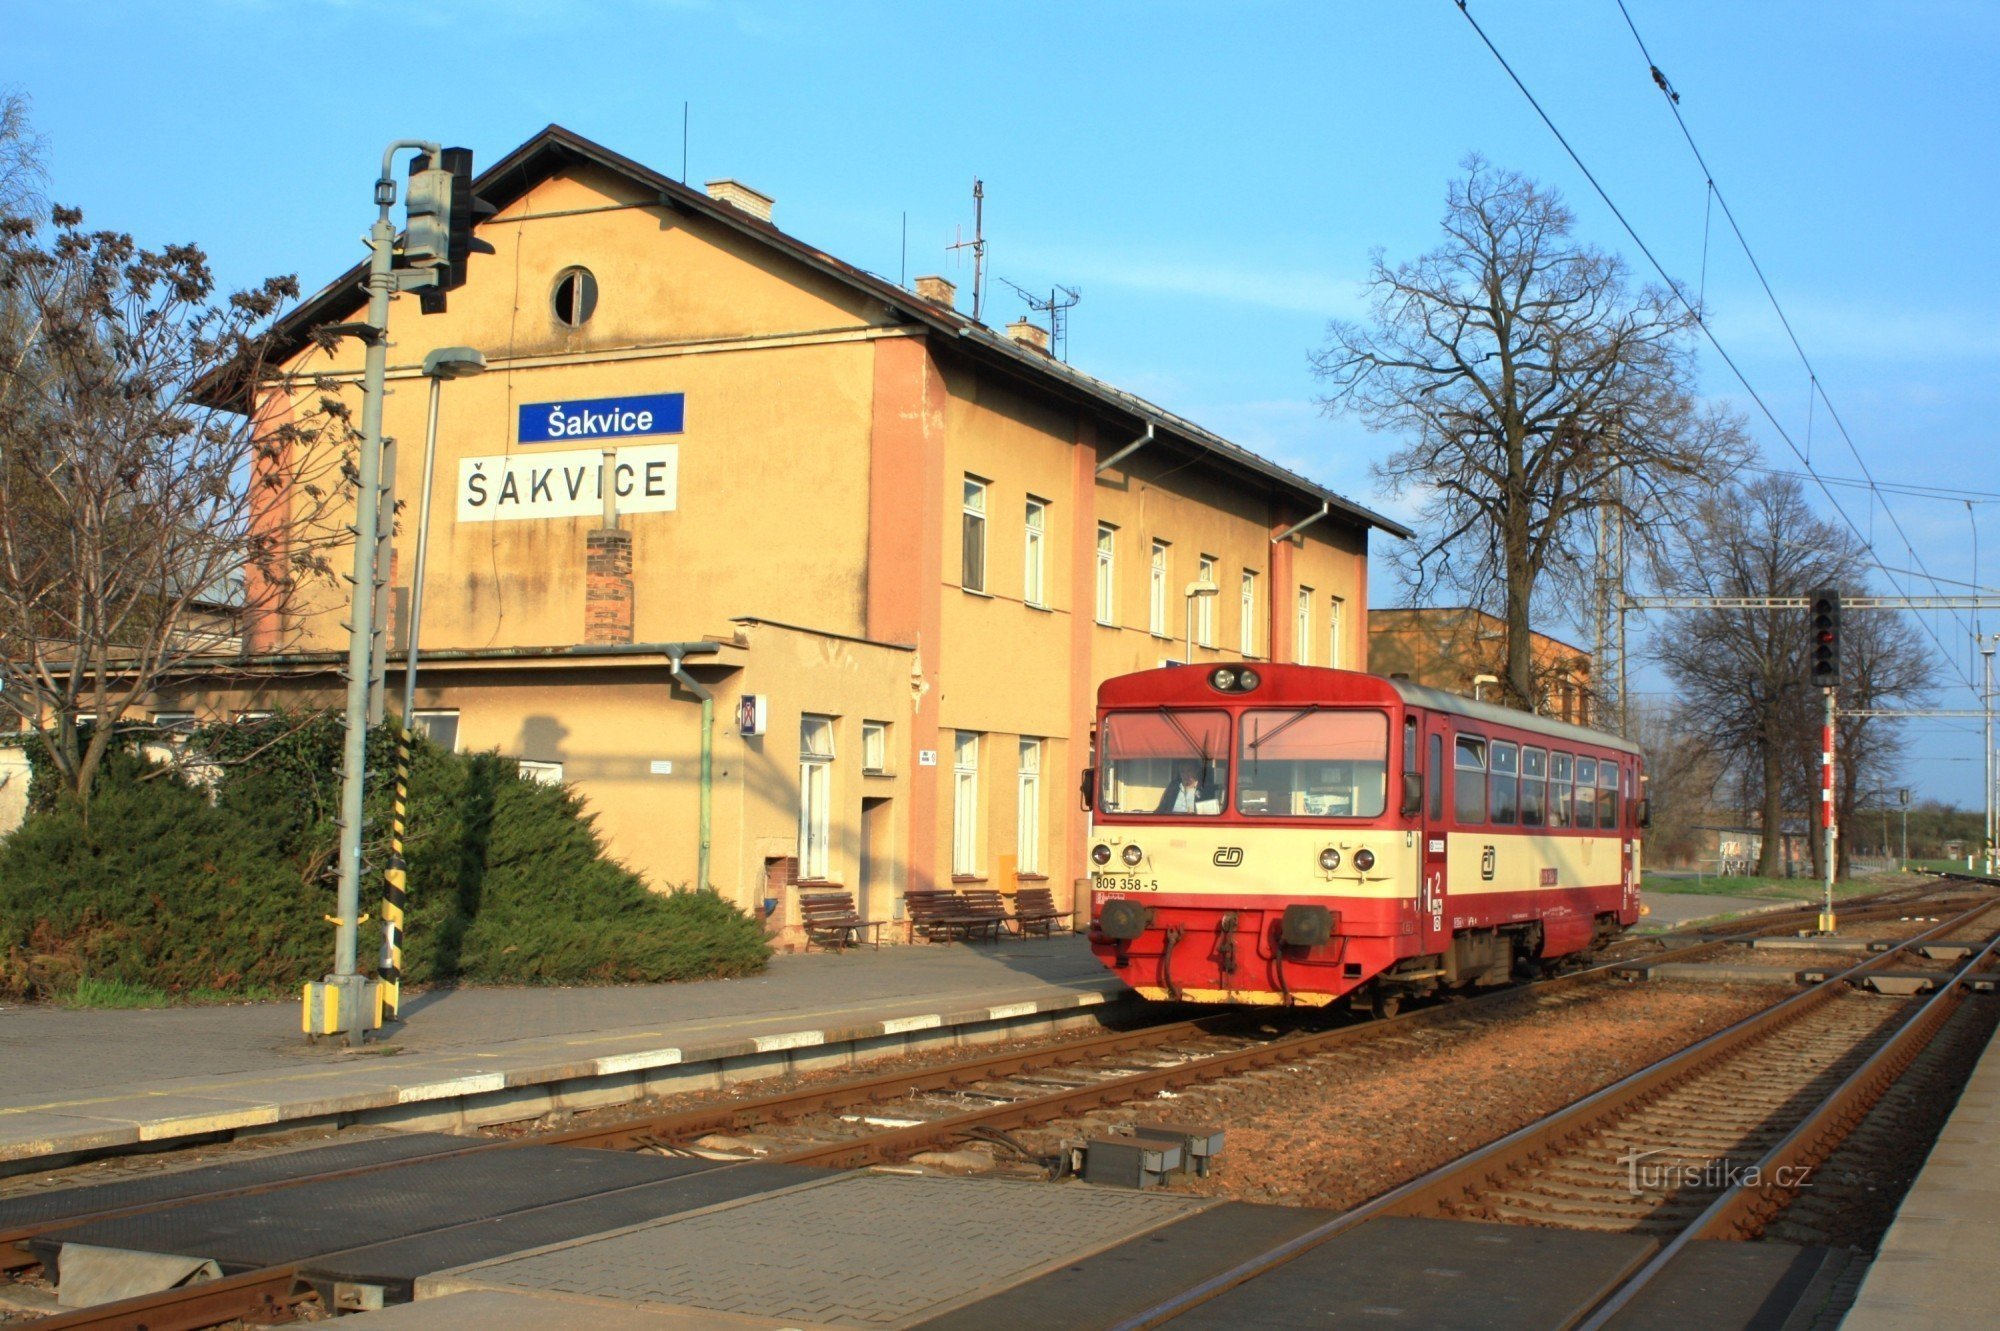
(555,149)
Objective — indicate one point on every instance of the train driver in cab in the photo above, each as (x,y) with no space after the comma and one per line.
(1189,793)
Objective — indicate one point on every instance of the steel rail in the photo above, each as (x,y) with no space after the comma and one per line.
(1744,1209)
(1424,1194)
(269,1294)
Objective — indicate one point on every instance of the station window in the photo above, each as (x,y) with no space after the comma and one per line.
(875,746)
(815,796)
(1586,791)
(1028,823)
(1534,787)
(1302,644)
(1107,574)
(1505,804)
(973,542)
(1333,609)
(1562,776)
(242,718)
(1248,643)
(1034,573)
(965,804)
(1607,793)
(1156,591)
(440,726)
(1468,783)
(1204,606)
(173,723)
(534,769)
(574,297)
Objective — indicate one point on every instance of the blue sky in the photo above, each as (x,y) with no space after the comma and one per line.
(1212,176)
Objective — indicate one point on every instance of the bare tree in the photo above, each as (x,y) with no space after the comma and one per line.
(1742,674)
(1533,388)
(21,152)
(137,501)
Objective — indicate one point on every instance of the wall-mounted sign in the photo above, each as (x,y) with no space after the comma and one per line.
(603,418)
(567,484)
(927,757)
(753,714)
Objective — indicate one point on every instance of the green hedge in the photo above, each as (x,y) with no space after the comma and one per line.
(174,887)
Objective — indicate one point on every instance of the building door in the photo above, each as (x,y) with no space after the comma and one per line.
(875,894)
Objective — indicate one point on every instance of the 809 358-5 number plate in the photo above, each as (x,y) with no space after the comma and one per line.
(1125,882)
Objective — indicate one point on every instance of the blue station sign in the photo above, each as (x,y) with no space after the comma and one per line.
(603,418)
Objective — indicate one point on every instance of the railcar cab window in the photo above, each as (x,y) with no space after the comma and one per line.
(1504,806)
(1534,786)
(1561,781)
(1163,762)
(1312,763)
(1468,783)
(1586,791)
(1607,793)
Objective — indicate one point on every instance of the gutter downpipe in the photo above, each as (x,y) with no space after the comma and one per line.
(1126,451)
(1298,527)
(675,652)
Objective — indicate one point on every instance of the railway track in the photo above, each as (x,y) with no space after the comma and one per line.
(1732,1127)
(893,1116)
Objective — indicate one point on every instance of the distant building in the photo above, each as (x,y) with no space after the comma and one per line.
(1464,650)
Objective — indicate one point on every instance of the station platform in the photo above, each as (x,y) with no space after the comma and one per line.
(1934,1270)
(78,1082)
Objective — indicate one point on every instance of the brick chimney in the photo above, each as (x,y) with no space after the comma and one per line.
(607,586)
(739,195)
(938,291)
(1030,335)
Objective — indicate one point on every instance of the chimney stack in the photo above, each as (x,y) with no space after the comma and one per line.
(739,195)
(607,586)
(1030,335)
(938,291)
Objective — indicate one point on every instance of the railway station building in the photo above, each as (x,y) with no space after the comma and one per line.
(897,548)
(1463,650)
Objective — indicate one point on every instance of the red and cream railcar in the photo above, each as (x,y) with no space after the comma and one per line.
(1290,834)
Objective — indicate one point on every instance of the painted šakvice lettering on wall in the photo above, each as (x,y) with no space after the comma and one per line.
(567,484)
(603,418)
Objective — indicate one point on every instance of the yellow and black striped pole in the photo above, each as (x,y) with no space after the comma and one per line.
(395,889)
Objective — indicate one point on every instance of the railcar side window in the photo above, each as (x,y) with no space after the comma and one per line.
(1468,782)
(1586,791)
(1313,763)
(1434,779)
(1163,762)
(1607,794)
(1506,760)
(1561,776)
(1534,786)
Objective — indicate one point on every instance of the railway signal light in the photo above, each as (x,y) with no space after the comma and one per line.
(440,214)
(1826,638)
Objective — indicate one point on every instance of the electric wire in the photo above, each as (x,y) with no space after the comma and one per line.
(1700,322)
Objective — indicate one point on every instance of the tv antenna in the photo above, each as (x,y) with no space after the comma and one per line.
(977,245)
(1057,305)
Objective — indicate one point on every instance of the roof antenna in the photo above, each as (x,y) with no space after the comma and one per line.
(1057,306)
(977,245)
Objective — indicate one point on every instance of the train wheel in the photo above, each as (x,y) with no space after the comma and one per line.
(1383,1005)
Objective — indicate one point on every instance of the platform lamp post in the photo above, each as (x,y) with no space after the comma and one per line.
(1195,592)
(440,365)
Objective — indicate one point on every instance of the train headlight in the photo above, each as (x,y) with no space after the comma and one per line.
(1329,859)
(1100,854)
(1247,680)
(1364,860)
(1132,855)
(1223,679)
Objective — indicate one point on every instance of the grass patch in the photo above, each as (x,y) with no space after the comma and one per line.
(1762,889)
(96,992)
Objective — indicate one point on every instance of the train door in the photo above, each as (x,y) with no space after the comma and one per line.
(1431,888)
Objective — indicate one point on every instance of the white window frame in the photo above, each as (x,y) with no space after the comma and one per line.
(816,753)
(1248,638)
(1333,618)
(1034,553)
(875,747)
(540,770)
(1107,574)
(177,724)
(1028,818)
(423,715)
(1302,641)
(972,536)
(965,857)
(1156,588)
(1204,606)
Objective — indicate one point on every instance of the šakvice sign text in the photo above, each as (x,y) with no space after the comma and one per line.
(603,418)
(567,484)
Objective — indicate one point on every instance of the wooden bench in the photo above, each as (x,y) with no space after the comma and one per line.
(940,915)
(985,910)
(1035,912)
(829,919)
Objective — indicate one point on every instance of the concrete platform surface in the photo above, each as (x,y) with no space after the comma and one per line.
(76,1081)
(1669,909)
(495,1310)
(872,1249)
(1935,1268)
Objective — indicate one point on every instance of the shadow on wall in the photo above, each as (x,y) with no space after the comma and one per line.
(542,740)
